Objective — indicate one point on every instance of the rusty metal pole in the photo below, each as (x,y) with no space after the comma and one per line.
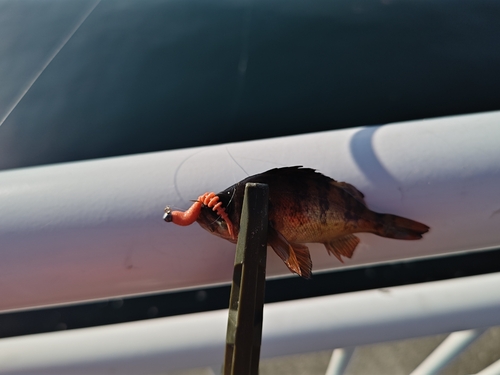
(244,328)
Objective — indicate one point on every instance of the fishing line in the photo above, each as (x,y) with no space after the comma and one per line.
(50,59)
(238,164)
(177,172)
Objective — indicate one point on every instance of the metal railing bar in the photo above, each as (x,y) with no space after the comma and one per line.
(197,340)
(339,361)
(493,369)
(108,211)
(447,351)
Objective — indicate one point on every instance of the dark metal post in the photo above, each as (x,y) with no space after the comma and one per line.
(244,328)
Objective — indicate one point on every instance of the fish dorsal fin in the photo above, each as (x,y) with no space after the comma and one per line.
(351,190)
(295,256)
(342,246)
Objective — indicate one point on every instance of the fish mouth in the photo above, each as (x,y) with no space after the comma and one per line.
(209,219)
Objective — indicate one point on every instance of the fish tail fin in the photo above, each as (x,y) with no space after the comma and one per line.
(401,228)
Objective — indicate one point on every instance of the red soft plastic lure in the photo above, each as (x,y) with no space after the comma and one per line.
(189,216)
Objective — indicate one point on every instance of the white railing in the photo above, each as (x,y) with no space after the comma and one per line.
(94,229)
(300,326)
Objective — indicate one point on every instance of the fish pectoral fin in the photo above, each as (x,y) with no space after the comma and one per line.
(295,256)
(300,258)
(342,246)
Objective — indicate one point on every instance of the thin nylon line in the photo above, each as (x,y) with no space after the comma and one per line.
(47,63)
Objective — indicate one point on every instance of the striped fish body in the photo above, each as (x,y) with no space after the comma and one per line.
(306,206)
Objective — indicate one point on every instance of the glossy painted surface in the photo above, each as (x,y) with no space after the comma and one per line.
(302,326)
(94,229)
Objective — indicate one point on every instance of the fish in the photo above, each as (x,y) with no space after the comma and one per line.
(305,206)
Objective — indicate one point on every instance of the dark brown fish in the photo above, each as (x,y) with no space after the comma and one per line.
(305,206)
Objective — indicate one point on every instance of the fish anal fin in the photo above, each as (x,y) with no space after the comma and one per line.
(342,246)
(295,256)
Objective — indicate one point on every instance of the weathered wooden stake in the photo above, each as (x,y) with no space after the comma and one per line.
(244,327)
